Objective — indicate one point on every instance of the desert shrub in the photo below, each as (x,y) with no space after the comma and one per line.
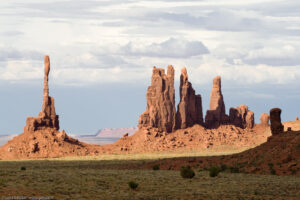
(234,169)
(133,185)
(271,168)
(298,146)
(214,171)
(23,168)
(187,172)
(155,167)
(223,167)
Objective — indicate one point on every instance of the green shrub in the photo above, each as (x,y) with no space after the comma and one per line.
(271,168)
(155,167)
(23,168)
(133,185)
(223,167)
(234,169)
(187,172)
(214,171)
(298,146)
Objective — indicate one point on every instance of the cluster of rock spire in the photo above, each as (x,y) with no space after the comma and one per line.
(161,114)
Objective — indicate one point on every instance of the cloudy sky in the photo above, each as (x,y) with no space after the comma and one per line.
(102,54)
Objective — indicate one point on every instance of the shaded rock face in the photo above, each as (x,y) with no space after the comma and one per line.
(160,111)
(276,125)
(241,116)
(189,110)
(216,116)
(264,119)
(47,117)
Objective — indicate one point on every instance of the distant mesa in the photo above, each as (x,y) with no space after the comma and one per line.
(115,132)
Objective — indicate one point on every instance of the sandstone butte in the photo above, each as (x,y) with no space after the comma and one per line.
(161,128)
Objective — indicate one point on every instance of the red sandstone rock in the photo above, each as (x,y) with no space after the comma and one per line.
(47,117)
(189,111)
(41,138)
(276,126)
(264,119)
(160,111)
(216,116)
(241,116)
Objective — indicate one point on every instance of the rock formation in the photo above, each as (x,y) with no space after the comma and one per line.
(189,110)
(47,117)
(297,118)
(216,116)
(41,138)
(276,126)
(264,119)
(160,111)
(241,116)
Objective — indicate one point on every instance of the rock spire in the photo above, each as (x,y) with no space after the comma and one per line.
(160,111)
(264,119)
(47,117)
(216,116)
(276,125)
(189,110)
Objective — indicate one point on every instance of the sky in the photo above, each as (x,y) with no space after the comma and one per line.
(102,54)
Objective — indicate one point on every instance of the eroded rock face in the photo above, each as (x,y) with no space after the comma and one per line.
(160,111)
(47,117)
(241,116)
(216,116)
(264,119)
(276,125)
(189,110)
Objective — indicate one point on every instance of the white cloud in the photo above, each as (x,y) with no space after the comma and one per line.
(171,48)
(92,42)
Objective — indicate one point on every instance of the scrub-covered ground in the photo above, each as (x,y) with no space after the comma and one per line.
(104,179)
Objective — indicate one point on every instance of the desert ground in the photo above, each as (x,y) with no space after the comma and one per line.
(107,178)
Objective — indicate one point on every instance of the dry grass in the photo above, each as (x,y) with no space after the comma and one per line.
(222,150)
(102,180)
